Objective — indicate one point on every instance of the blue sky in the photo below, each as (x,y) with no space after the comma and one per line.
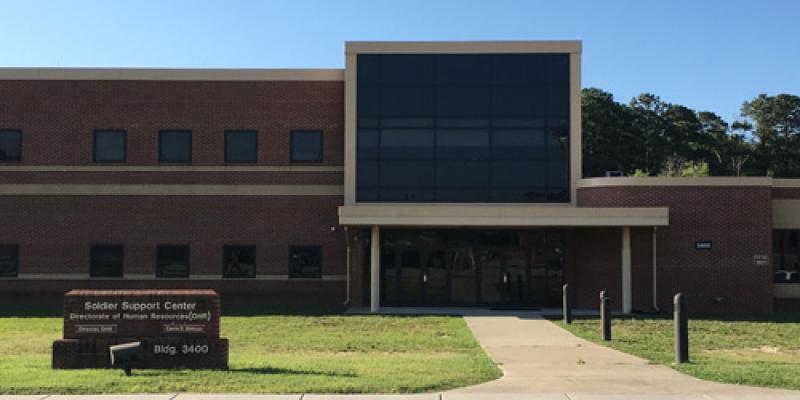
(706,54)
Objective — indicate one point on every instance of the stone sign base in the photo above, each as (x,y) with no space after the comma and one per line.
(157,353)
(176,328)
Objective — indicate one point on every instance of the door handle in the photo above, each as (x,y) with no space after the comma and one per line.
(424,278)
(505,277)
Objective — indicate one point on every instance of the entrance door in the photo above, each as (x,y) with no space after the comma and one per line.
(504,268)
(416,276)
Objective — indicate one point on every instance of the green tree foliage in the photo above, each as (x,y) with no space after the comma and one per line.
(774,121)
(649,136)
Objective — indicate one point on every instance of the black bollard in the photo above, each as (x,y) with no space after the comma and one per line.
(681,328)
(605,314)
(567,305)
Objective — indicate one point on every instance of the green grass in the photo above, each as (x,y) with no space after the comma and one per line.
(313,352)
(759,351)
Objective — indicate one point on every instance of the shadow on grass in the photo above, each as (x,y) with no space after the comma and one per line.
(777,318)
(252,371)
(31,311)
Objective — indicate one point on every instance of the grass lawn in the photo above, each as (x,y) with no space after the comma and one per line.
(759,351)
(327,353)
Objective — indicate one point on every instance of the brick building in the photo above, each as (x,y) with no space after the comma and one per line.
(421,174)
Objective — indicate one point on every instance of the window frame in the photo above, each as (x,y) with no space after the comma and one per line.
(161,146)
(293,248)
(19,133)
(124,146)
(321,146)
(225,149)
(226,247)
(15,246)
(188,261)
(91,260)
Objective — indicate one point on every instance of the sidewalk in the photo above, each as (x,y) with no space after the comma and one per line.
(538,357)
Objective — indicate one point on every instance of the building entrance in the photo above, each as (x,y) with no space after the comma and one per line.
(452,267)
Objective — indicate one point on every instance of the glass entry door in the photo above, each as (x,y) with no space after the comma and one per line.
(502,268)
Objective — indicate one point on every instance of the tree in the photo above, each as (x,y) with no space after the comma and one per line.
(777,130)
(608,142)
(647,121)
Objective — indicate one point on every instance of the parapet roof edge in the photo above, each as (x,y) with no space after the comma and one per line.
(172,74)
(687,181)
(466,47)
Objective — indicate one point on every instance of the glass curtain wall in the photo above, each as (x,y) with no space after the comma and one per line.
(463,128)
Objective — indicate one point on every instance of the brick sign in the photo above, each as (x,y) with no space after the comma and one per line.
(177,328)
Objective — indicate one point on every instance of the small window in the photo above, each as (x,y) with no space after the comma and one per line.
(307,146)
(110,146)
(239,262)
(172,261)
(10,145)
(241,146)
(106,261)
(175,146)
(9,260)
(305,262)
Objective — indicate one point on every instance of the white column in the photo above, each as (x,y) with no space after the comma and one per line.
(375,270)
(627,290)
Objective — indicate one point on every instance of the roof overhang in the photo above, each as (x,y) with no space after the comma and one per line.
(481,215)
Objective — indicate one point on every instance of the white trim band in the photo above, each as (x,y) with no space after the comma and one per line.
(168,190)
(174,168)
(152,277)
(170,74)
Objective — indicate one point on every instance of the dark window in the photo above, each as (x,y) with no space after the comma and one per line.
(463,128)
(110,146)
(307,146)
(106,261)
(241,146)
(175,146)
(10,145)
(305,262)
(239,262)
(172,261)
(9,260)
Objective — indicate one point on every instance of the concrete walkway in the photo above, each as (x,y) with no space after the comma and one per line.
(540,361)
(539,357)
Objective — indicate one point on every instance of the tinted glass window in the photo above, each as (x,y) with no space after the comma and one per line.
(307,146)
(305,262)
(175,146)
(239,262)
(463,127)
(241,146)
(9,260)
(172,261)
(110,146)
(10,145)
(106,261)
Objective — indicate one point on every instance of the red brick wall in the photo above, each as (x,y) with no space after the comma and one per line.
(737,219)
(57,118)
(54,232)
(594,264)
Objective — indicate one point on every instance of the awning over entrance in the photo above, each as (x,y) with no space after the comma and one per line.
(449,215)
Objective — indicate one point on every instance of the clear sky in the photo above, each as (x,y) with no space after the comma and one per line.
(705,54)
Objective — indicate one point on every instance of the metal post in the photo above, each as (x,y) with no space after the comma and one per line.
(605,314)
(681,328)
(567,305)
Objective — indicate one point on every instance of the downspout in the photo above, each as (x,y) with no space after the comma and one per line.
(655,277)
(347,265)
